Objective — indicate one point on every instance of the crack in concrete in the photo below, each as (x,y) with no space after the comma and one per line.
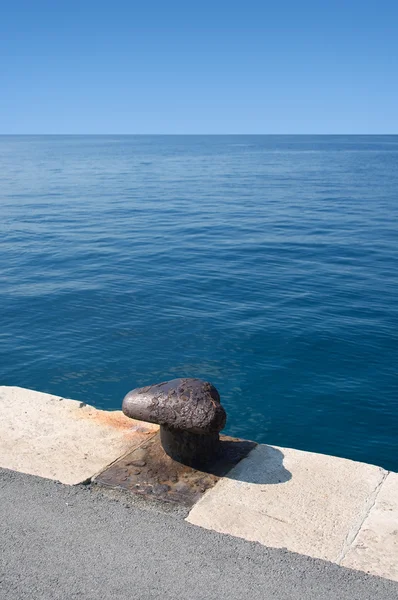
(356,528)
(271,517)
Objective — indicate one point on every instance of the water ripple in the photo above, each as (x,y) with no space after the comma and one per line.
(267,264)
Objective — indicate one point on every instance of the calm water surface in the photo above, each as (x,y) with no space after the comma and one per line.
(266,264)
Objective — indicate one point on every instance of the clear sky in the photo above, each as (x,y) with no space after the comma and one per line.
(299,66)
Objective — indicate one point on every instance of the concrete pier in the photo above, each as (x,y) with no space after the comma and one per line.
(320,506)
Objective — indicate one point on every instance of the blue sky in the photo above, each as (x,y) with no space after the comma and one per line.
(204,67)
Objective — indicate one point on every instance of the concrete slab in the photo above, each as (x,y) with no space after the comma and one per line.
(375,549)
(307,503)
(60,439)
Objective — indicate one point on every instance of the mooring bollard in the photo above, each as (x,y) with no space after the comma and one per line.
(189,413)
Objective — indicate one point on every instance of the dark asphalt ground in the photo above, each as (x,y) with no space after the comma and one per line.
(79,543)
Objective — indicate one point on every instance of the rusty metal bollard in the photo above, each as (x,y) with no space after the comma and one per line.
(189,414)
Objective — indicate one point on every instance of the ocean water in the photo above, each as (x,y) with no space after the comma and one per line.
(265,264)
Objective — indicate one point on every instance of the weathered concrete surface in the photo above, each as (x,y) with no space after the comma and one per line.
(62,439)
(308,503)
(321,506)
(375,548)
(69,543)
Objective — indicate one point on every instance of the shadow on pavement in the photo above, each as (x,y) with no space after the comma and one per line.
(263,466)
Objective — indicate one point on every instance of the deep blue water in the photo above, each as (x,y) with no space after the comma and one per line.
(266,264)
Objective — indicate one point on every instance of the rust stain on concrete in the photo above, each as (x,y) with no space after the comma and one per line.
(116,420)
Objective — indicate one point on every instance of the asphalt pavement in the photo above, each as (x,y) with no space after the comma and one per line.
(62,542)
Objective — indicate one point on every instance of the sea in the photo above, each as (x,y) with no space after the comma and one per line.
(265,264)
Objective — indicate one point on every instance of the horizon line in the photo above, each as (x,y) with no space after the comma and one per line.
(195,134)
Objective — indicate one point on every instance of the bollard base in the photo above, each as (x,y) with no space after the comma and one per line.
(149,472)
(191,449)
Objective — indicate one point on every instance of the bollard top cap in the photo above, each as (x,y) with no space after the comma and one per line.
(184,404)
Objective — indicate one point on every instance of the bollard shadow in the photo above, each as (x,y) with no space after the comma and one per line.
(264,465)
